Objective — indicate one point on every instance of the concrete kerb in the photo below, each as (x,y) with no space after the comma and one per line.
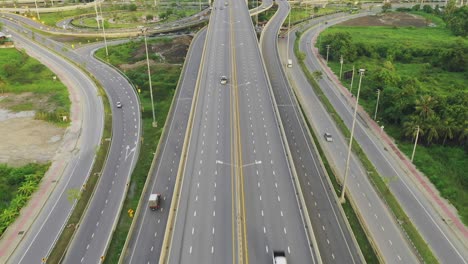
(296,184)
(153,163)
(57,179)
(168,235)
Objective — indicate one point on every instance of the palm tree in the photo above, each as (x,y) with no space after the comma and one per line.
(447,128)
(432,129)
(409,127)
(425,105)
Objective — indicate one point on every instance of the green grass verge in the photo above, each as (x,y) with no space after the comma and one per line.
(65,238)
(164,78)
(22,74)
(377,180)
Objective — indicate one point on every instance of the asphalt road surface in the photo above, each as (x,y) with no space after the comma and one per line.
(39,240)
(147,237)
(236,165)
(95,231)
(335,240)
(429,223)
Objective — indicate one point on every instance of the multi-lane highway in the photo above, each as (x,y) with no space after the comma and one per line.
(146,238)
(434,230)
(96,228)
(95,231)
(334,237)
(40,238)
(238,201)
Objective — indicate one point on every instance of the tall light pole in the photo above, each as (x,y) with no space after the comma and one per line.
(97,15)
(289,27)
(328,49)
(377,105)
(352,79)
(415,143)
(155,124)
(341,67)
(103,31)
(37,11)
(256,15)
(342,198)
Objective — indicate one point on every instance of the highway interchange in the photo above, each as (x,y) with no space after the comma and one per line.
(239,199)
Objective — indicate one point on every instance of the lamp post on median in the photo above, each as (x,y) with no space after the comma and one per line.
(155,124)
(342,198)
(37,11)
(328,49)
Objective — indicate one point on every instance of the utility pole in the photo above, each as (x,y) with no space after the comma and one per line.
(37,11)
(341,67)
(377,105)
(328,49)
(97,15)
(155,124)
(342,198)
(352,79)
(415,143)
(104,31)
(256,16)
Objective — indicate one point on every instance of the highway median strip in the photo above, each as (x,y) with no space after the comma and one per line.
(420,246)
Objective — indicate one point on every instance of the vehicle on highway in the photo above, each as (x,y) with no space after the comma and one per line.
(155,201)
(226,3)
(289,63)
(224,79)
(279,257)
(118,104)
(328,137)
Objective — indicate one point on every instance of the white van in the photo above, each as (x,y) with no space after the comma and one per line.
(289,63)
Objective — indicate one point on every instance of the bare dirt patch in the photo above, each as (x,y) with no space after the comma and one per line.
(388,19)
(24,139)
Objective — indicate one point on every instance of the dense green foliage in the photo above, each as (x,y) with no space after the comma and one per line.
(422,73)
(16,186)
(20,73)
(164,81)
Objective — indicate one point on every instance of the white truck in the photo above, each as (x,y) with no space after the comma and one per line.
(279,257)
(155,201)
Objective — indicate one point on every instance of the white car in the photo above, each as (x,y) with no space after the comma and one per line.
(328,137)
(118,104)
(224,79)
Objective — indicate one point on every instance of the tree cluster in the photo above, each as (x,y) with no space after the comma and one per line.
(442,117)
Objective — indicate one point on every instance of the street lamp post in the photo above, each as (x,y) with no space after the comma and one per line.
(155,124)
(328,49)
(103,31)
(415,143)
(342,198)
(97,15)
(341,67)
(37,11)
(377,105)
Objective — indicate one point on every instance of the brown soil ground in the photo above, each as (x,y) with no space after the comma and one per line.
(24,139)
(388,19)
(173,52)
